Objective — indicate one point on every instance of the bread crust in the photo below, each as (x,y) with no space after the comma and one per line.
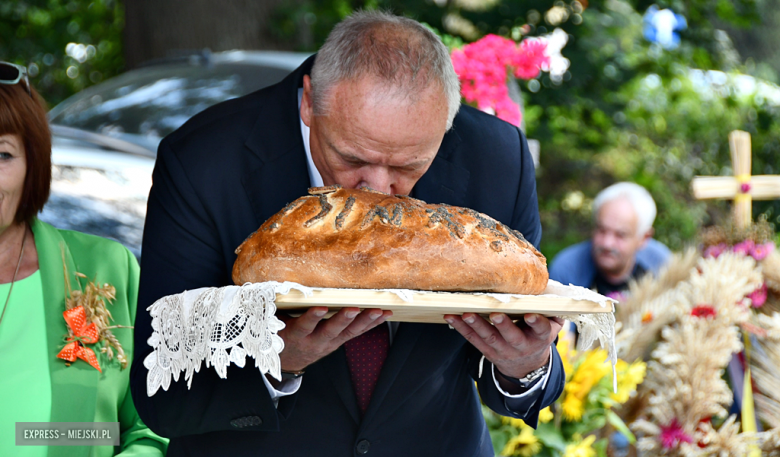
(364,239)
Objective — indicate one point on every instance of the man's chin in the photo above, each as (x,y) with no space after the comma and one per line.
(608,267)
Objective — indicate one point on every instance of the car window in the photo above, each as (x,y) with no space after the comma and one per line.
(144,105)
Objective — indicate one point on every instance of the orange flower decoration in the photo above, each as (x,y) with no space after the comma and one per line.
(82,333)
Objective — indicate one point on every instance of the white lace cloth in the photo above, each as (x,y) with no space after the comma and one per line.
(224,325)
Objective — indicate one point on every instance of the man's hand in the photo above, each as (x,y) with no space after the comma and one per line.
(308,338)
(514,349)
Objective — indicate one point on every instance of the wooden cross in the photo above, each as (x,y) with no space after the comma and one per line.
(742,187)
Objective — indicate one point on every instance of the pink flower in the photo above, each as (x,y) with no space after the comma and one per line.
(715,250)
(758,296)
(483,67)
(760,251)
(672,435)
(529,61)
(744,247)
(508,111)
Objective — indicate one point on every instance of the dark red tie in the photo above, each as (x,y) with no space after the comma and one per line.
(365,356)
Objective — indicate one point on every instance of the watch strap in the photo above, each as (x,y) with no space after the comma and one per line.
(528,380)
(292,374)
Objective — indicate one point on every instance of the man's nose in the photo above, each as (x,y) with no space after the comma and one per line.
(606,240)
(378,178)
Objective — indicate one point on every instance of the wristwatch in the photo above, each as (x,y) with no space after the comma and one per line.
(528,380)
(292,374)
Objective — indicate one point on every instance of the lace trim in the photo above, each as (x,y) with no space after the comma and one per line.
(218,326)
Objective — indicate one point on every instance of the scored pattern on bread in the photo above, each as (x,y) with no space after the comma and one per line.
(362,238)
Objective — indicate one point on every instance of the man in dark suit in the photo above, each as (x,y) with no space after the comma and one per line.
(373,110)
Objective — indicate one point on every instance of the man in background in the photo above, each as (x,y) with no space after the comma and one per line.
(622,247)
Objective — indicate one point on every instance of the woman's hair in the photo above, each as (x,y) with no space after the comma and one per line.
(25,116)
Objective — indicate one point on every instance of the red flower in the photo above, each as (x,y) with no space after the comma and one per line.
(703,311)
(672,435)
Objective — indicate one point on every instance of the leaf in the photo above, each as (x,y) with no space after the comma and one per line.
(620,426)
(499,439)
(550,436)
(600,447)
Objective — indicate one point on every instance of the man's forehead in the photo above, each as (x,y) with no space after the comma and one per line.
(360,121)
(618,215)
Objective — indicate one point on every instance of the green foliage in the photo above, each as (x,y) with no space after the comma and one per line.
(626,110)
(37,34)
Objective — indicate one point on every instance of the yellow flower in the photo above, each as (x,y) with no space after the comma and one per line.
(582,449)
(524,445)
(629,376)
(588,374)
(546,415)
(566,352)
(517,423)
(573,408)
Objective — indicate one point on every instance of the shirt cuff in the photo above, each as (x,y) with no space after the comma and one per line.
(539,385)
(286,387)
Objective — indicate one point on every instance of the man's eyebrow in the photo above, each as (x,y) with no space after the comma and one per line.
(350,157)
(339,152)
(417,164)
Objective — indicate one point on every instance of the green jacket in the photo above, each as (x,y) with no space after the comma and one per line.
(79,392)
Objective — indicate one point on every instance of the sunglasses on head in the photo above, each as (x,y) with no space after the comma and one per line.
(11,74)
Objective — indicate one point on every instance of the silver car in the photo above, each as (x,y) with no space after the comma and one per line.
(105,138)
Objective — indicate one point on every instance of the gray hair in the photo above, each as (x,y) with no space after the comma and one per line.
(638,196)
(393,48)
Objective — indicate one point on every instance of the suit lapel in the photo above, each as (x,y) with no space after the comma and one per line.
(404,342)
(270,186)
(335,368)
(74,388)
(279,172)
(444,182)
(419,352)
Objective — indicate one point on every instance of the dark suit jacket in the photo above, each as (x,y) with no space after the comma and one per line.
(217,179)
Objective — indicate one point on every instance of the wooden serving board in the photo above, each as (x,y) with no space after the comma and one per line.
(431,307)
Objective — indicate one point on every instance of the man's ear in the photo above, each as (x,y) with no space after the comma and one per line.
(307,105)
(649,234)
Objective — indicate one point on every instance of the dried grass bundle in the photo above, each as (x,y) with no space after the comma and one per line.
(93,299)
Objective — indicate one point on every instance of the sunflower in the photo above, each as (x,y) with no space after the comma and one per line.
(629,376)
(588,374)
(517,423)
(566,352)
(582,449)
(524,445)
(546,415)
(573,408)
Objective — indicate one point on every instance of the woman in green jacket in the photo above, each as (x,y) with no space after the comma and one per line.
(67,301)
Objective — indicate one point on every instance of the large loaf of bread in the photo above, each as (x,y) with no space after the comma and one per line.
(363,239)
